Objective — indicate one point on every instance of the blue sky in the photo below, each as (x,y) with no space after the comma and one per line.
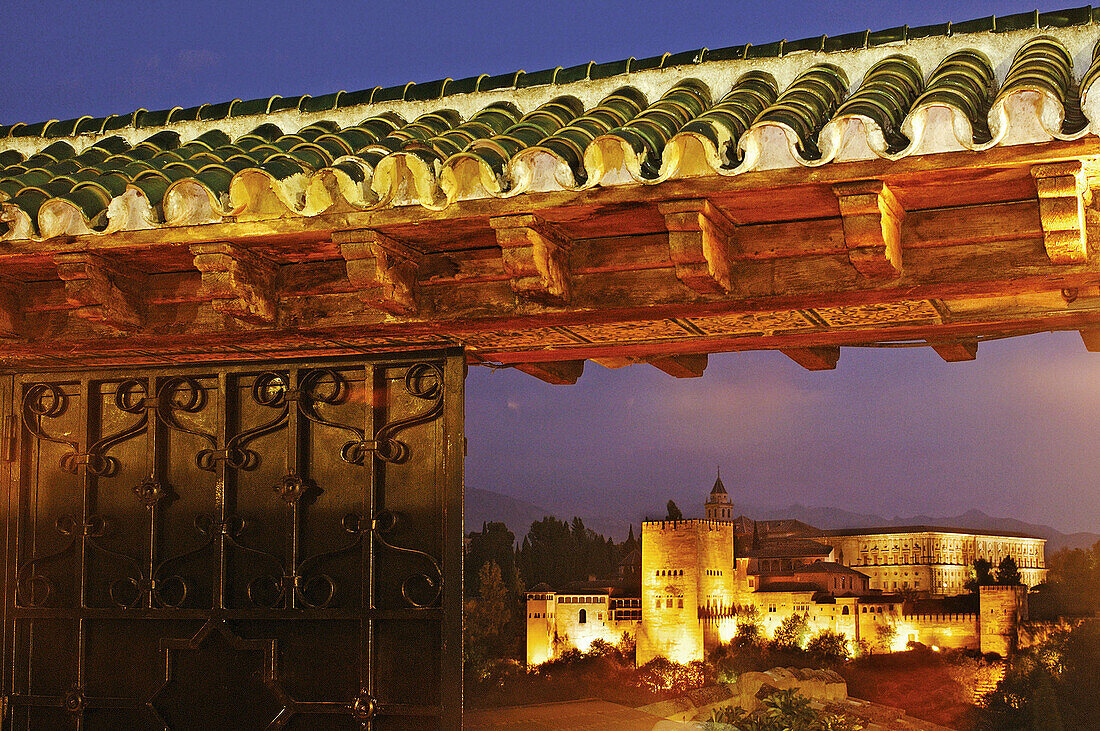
(890,431)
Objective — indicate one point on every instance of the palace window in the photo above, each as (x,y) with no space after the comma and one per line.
(582,618)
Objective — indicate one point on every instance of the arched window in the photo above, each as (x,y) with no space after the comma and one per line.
(582,617)
(844,611)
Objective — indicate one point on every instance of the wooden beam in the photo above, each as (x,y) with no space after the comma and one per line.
(240,283)
(871,217)
(1091,338)
(101,291)
(682,366)
(535,258)
(958,351)
(11,313)
(1062,189)
(818,358)
(698,244)
(383,271)
(558,373)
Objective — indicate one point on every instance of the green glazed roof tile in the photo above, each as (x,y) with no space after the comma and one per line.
(1016,21)
(847,41)
(729,53)
(1066,18)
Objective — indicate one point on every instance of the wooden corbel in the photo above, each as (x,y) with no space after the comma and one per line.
(871,217)
(1062,191)
(382,271)
(957,352)
(699,237)
(241,284)
(681,366)
(557,373)
(1091,338)
(535,257)
(101,291)
(820,358)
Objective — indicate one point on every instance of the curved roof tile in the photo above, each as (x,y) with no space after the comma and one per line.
(561,128)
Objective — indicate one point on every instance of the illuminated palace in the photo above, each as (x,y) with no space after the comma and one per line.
(697,576)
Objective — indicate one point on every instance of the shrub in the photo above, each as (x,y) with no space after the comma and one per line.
(791,632)
(660,673)
(829,645)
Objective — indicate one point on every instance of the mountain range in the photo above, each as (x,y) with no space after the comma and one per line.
(486,505)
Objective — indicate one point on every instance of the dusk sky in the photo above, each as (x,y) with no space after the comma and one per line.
(894,432)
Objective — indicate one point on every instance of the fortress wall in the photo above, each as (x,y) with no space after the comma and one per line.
(946,631)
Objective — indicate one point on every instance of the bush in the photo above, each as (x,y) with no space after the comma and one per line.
(1056,684)
(783,710)
(660,673)
(829,645)
(791,632)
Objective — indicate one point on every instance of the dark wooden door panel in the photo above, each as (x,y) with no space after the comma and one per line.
(242,546)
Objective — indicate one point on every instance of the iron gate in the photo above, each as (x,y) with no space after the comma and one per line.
(236,547)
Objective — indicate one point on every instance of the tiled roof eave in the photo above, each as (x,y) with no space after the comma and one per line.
(1029,113)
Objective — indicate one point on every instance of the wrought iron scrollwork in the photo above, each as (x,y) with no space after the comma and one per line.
(34,589)
(422,381)
(48,400)
(385,522)
(326,386)
(314,590)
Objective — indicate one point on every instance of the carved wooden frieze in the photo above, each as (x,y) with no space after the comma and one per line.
(382,270)
(744,323)
(632,331)
(879,313)
(1062,190)
(511,339)
(101,291)
(535,257)
(871,217)
(699,238)
(240,283)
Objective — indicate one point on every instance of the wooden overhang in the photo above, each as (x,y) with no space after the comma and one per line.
(947,238)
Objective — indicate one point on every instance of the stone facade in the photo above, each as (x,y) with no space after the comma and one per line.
(687,569)
(699,576)
(938,561)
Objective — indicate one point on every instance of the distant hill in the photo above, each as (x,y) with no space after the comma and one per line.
(486,505)
(975,520)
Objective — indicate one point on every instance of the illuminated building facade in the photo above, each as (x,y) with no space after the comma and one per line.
(880,587)
(930,559)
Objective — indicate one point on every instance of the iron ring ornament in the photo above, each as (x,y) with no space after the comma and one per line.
(364,707)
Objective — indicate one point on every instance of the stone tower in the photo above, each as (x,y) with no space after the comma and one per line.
(718,505)
(687,577)
(1001,609)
